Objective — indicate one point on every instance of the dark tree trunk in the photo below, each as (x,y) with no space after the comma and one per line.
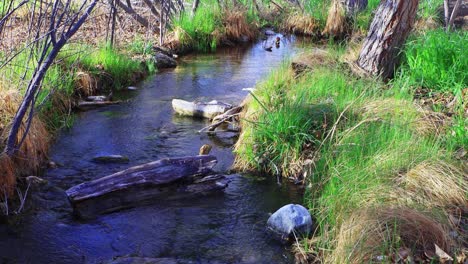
(389,29)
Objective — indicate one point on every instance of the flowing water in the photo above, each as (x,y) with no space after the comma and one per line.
(224,228)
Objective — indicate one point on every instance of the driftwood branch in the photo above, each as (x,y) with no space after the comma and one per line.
(222,118)
(129,10)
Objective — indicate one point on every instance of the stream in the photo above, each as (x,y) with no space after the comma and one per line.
(222,228)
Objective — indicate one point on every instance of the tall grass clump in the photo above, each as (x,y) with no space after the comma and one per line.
(119,68)
(201,31)
(317,9)
(436,60)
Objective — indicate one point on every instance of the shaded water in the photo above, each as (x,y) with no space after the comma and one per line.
(225,228)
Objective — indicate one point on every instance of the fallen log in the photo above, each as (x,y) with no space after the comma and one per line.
(199,109)
(166,179)
(86,105)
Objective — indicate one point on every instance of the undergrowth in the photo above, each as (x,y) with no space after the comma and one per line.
(435,59)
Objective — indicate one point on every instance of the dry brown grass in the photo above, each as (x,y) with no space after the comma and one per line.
(237,27)
(385,232)
(336,26)
(301,24)
(7,175)
(85,83)
(423,122)
(34,148)
(436,184)
(311,60)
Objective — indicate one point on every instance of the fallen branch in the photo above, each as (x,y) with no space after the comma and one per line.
(212,127)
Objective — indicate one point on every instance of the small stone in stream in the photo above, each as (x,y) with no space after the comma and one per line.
(164,61)
(205,149)
(111,159)
(35,180)
(289,220)
(269,32)
(52,165)
(132,88)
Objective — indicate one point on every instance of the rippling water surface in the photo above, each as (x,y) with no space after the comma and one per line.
(224,228)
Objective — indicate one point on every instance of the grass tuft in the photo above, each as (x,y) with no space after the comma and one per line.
(435,60)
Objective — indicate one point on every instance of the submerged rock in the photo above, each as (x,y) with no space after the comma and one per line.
(111,159)
(290,219)
(164,61)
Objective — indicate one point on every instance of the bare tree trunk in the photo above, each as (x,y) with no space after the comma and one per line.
(446,13)
(195,6)
(389,29)
(129,10)
(454,14)
(49,52)
(114,20)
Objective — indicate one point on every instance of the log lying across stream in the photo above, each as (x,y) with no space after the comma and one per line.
(162,180)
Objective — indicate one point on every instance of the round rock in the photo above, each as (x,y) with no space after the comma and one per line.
(289,219)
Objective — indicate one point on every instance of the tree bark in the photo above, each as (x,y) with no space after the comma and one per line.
(389,29)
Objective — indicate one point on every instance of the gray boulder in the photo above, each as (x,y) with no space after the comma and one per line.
(289,219)
(164,61)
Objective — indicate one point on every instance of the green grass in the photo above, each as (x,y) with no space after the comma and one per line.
(428,8)
(141,46)
(318,9)
(198,31)
(119,67)
(435,60)
(363,19)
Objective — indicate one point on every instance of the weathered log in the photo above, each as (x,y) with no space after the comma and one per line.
(85,105)
(162,180)
(388,32)
(199,109)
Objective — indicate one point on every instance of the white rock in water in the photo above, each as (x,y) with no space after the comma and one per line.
(290,218)
(207,110)
(132,88)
